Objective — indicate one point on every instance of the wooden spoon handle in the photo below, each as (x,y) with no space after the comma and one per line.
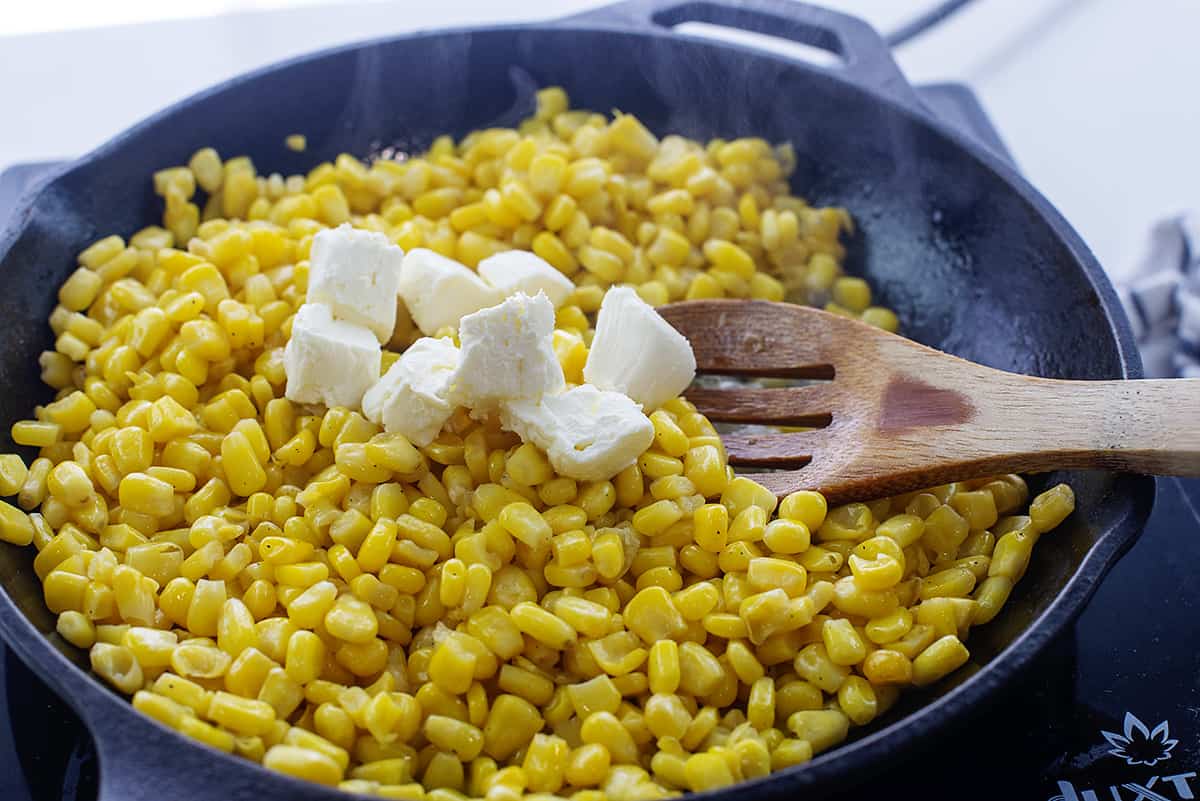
(1142,426)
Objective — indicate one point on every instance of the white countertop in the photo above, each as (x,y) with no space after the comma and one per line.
(1092,96)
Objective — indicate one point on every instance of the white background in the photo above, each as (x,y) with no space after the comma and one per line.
(1094,97)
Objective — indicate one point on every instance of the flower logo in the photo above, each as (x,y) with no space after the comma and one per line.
(1139,745)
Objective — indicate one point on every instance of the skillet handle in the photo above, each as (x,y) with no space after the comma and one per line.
(866,59)
(142,760)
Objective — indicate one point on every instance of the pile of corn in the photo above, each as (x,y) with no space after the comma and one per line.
(292,585)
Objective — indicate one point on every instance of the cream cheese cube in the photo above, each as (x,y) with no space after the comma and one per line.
(507,354)
(588,434)
(521,271)
(636,352)
(412,397)
(329,361)
(357,275)
(439,291)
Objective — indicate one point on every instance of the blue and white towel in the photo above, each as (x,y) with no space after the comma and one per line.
(1162,299)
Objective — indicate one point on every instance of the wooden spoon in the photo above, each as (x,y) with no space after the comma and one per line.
(897,416)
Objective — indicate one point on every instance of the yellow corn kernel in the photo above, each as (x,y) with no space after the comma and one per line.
(890,627)
(452,667)
(942,657)
(765,573)
(700,672)
(180,480)
(205,166)
(241,462)
(587,766)
(525,524)
(305,657)
(786,536)
(813,664)
(510,726)
(139,492)
(533,687)
(161,708)
(698,600)
(664,668)
(587,617)
(35,434)
(954,582)
(241,715)
(118,666)
(303,763)
(599,694)
(1051,507)
(917,639)
(308,609)
(448,734)
(132,450)
(529,466)
(905,529)
(666,716)
(886,666)
(352,620)
(183,692)
(207,734)
(1011,555)
(603,728)
(80,289)
(76,628)
(283,694)
(72,413)
(842,642)
(707,772)
(822,728)
(16,527)
(246,674)
(63,591)
(945,530)
(977,507)
(990,596)
(852,293)
(601,263)
(542,625)
(881,318)
(151,647)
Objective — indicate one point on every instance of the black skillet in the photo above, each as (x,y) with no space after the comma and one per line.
(972,258)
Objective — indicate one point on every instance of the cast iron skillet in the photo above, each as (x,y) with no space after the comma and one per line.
(972,258)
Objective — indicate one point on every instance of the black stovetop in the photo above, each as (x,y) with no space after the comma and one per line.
(1111,712)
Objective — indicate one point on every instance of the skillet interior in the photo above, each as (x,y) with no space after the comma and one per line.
(971,265)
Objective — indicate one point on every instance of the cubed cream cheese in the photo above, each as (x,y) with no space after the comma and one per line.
(439,291)
(636,352)
(329,361)
(521,271)
(507,354)
(412,397)
(357,275)
(587,433)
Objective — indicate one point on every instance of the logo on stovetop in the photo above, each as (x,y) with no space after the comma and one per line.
(1137,744)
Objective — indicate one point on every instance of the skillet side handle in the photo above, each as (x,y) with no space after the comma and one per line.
(142,760)
(867,60)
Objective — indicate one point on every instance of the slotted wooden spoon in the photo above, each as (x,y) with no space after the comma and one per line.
(895,416)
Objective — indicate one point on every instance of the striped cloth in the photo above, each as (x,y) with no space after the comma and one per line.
(1162,299)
